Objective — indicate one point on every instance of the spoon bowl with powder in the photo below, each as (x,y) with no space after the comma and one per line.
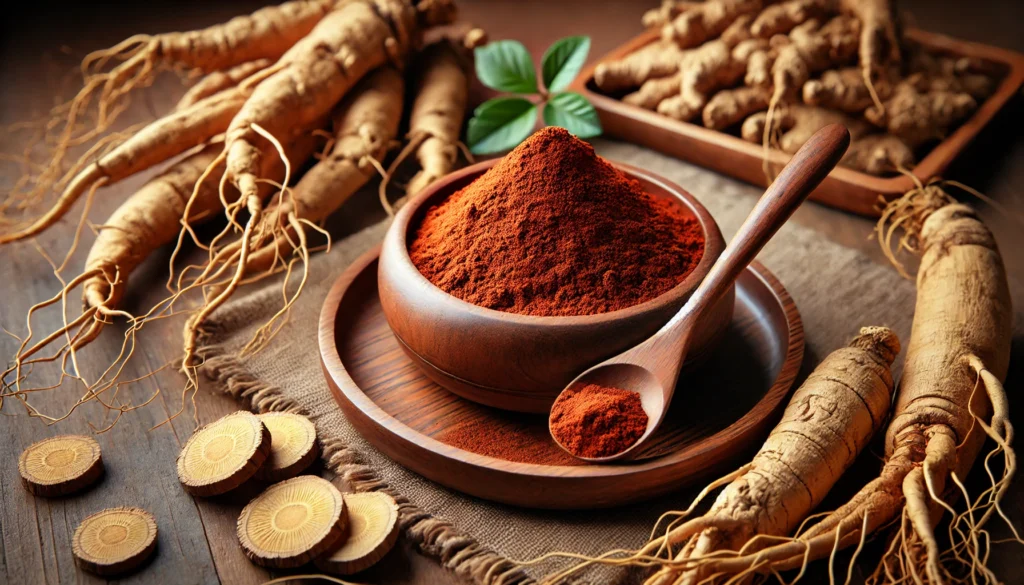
(611,409)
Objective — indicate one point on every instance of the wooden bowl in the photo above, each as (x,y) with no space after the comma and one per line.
(521,362)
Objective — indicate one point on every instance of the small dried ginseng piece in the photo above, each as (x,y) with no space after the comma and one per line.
(292,522)
(293,446)
(60,465)
(373,531)
(224,454)
(114,541)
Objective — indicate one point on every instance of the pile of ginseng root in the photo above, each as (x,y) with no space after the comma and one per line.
(777,72)
(296,107)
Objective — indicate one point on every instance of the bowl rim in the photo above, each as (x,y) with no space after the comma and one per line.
(714,244)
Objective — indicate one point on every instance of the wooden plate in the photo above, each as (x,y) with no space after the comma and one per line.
(844,188)
(723,411)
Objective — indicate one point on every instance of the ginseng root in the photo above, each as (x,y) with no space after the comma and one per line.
(321,527)
(868,152)
(265,34)
(843,89)
(224,454)
(665,12)
(807,50)
(308,82)
(879,45)
(218,81)
(707,68)
(950,399)
(706,20)
(730,106)
(943,72)
(812,49)
(313,76)
(797,123)
(311,79)
(828,422)
(435,122)
(373,533)
(879,153)
(658,59)
(186,192)
(700,70)
(779,19)
(366,122)
(917,116)
(134,531)
(144,222)
(60,465)
(158,142)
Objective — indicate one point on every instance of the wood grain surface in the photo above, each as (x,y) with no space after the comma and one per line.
(846,188)
(722,405)
(197,542)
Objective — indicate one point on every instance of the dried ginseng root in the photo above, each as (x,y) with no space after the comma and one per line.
(293,446)
(224,454)
(373,531)
(829,420)
(114,541)
(292,522)
(60,465)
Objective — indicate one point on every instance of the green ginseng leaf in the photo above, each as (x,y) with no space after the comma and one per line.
(500,124)
(506,66)
(562,62)
(573,112)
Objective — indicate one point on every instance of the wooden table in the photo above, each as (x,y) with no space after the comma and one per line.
(197,536)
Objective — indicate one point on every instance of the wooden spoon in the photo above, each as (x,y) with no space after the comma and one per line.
(652,367)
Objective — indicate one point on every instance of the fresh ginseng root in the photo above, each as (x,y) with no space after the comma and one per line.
(293,446)
(224,454)
(373,531)
(114,541)
(60,465)
(292,522)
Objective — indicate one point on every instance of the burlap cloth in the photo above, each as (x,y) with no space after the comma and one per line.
(836,289)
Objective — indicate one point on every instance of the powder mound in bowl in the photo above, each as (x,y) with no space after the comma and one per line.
(555,230)
(597,421)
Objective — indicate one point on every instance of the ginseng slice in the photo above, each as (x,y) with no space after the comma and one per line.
(293,446)
(292,522)
(114,541)
(60,465)
(373,531)
(224,454)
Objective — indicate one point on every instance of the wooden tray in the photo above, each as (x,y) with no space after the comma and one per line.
(844,188)
(723,412)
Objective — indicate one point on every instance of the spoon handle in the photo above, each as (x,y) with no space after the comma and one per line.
(808,167)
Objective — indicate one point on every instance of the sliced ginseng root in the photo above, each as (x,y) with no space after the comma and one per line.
(60,465)
(293,446)
(114,541)
(373,531)
(292,522)
(224,454)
